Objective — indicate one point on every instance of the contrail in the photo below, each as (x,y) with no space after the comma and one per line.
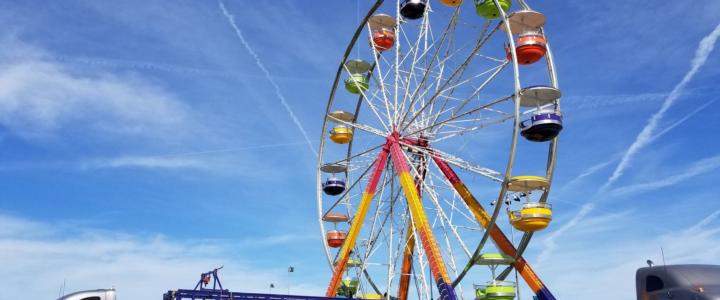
(701,54)
(704,222)
(683,119)
(258,62)
(643,139)
(696,169)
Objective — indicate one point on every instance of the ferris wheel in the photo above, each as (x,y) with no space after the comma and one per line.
(437,152)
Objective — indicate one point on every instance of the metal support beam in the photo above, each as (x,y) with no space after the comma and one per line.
(502,242)
(422,227)
(410,234)
(357,223)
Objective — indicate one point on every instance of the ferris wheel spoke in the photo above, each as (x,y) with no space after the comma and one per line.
(441,136)
(493,74)
(450,255)
(378,59)
(465,63)
(393,196)
(431,192)
(439,79)
(369,101)
(363,127)
(375,245)
(495,71)
(347,192)
(454,160)
(436,53)
(456,117)
(494,59)
(374,235)
(399,249)
(414,50)
(485,123)
(454,208)
(427,103)
(364,153)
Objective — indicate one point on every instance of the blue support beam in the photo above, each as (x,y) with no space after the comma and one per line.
(218,293)
(207,294)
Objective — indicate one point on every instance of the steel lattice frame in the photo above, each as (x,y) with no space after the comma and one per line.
(425,95)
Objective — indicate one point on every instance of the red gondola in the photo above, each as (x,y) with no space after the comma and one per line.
(335,238)
(530,47)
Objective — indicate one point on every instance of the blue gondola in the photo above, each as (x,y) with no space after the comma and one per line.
(544,125)
(334,186)
(413,9)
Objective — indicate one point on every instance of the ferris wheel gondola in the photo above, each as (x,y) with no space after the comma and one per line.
(413,9)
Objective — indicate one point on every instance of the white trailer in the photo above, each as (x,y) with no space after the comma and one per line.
(100,294)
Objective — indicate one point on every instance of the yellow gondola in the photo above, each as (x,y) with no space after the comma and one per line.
(533,216)
(341,134)
(527,183)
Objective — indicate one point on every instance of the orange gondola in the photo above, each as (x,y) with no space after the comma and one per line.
(451,3)
(335,238)
(530,47)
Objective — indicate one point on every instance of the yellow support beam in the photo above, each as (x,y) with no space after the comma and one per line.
(357,223)
(422,227)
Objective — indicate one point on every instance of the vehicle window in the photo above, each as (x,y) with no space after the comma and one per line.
(653,283)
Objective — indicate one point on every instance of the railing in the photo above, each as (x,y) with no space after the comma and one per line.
(228,295)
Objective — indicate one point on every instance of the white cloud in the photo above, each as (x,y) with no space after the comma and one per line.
(550,243)
(39,256)
(277,240)
(227,161)
(40,99)
(599,101)
(589,263)
(146,162)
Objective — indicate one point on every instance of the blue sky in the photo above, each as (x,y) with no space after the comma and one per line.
(142,144)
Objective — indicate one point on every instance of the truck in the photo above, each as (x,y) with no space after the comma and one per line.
(678,282)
